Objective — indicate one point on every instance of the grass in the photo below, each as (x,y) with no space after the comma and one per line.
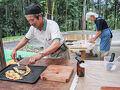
(22,53)
(33,47)
(29,47)
(12,38)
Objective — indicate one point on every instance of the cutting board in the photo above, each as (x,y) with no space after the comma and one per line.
(110,88)
(57,73)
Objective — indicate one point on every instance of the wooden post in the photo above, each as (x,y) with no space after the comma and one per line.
(2,56)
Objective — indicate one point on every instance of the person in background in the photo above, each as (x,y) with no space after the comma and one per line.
(46,31)
(103,32)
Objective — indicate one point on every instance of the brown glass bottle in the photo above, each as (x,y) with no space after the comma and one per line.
(80,70)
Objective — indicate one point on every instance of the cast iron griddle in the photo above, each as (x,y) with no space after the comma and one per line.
(32,77)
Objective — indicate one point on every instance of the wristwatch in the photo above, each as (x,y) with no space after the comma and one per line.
(42,54)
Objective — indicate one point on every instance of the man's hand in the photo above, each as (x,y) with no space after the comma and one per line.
(20,45)
(34,58)
(92,40)
(14,54)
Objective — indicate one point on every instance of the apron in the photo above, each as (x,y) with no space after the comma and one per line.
(61,53)
(105,41)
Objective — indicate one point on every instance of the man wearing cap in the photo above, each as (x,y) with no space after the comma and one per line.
(47,32)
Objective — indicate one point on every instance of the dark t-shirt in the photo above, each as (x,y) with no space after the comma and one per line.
(100,24)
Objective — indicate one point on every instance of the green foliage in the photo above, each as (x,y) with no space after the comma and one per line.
(13,21)
(67,13)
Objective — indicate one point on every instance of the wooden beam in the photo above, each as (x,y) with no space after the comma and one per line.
(2,56)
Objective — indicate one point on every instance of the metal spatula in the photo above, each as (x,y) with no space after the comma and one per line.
(18,73)
(21,66)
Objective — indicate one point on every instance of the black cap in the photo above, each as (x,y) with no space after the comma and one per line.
(33,9)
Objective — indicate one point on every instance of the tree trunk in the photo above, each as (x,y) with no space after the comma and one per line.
(49,9)
(2,57)
(93,6)
(83,16)
(6,11)
(87,9)
(115,14)
(66,13)
(99,7)
(72,23)
(79,15)
(106,9)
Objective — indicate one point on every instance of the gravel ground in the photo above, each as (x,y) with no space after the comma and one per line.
(34,46)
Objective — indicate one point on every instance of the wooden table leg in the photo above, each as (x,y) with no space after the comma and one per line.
(91,53)
(82,55)
(78,66)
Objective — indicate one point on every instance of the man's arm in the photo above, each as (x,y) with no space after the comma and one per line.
(98,33)
(20,45)
(52,48)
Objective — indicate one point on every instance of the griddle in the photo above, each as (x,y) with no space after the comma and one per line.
(32,77)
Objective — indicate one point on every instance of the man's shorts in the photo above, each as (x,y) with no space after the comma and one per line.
(104,53)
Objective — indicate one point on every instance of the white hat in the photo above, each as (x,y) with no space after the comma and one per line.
(89,14)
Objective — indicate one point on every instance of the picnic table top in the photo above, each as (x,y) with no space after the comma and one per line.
(41,84)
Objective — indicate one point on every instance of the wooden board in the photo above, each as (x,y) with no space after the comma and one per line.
(110,88)
(57,73)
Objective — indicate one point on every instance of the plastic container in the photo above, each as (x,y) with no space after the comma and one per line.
(111,66)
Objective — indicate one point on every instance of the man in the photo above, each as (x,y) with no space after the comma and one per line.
(47,32)
(103,31)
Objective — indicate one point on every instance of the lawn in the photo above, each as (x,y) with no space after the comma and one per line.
(22,53)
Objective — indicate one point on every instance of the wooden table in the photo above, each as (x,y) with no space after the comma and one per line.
(41,84)
(96,76)
(81,48)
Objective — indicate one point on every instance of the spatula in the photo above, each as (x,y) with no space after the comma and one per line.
(18,73)
(21,66)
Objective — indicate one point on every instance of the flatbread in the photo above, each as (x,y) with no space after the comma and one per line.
(11,74)
(28,70)
(22,71)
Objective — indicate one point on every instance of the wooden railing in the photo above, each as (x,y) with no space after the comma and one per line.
(79,37)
